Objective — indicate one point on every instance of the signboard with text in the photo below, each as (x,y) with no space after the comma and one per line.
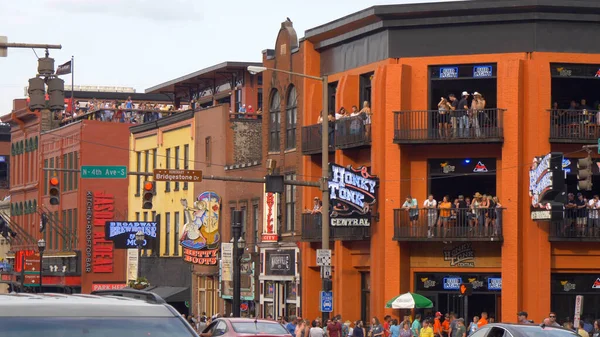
(270,213)
(547,188)
(122,233)
(201,238)
(452,282)
(352,194)
(281,262)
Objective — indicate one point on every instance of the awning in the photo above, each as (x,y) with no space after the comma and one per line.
(171,294)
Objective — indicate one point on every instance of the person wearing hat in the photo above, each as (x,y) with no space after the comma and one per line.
(522,318)
(317,206)
(462,116)
(475,212)
(477,107)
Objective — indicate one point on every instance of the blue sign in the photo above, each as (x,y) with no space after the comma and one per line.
(494,283)
(449,72)
(122,233)
(326,301)
(482,71)
(452,283)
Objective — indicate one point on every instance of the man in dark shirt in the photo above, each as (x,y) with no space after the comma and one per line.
(453,116)
(461,213)
(462,116)
(334,329)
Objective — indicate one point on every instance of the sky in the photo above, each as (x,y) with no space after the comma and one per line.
(142,43)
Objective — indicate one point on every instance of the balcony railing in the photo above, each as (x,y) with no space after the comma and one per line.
(311,230)
(429,127)
(311,138)
(133,116)
(353,132)
(573,228)
(448,225)
(245,116)
(574,126)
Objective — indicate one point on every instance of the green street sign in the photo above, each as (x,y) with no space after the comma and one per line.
(104,172)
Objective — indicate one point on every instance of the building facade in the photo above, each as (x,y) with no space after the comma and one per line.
(399,68)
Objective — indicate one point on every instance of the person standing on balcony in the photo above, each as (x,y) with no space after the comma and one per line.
(431,205)
(317,206)
(477,106)
(444,108)
(410,205)
(594,222)
(366,110)
(462,116)
(445,207)
(453,114)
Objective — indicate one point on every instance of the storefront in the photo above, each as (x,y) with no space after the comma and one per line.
(279,282)
(247,304)
(565,287)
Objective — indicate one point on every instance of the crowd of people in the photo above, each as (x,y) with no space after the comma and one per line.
(582,216)
(354,123)
(465,117)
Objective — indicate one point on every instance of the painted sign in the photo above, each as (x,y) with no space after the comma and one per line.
(482,71)
(547,188)
(108,286)
(352,194)
(89,228)
(462,255)
(122,233)
(201,238)
(102,249)
(448,72)
(270,209)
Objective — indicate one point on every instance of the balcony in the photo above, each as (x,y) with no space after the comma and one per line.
(574,126)
(311,230)
(245,116)
(112,115)
(311,139)
(423,127)
(568,230)
(352,132)
(459,226)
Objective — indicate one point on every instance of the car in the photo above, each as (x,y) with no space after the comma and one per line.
(235,327)
(521,330)
(107,313)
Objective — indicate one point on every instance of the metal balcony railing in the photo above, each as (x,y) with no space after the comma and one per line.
(311,230)
(352,132)
(133,116)
(311,138)
(245,116)
(460,224)
(576,227)
(429,126)
(574,126)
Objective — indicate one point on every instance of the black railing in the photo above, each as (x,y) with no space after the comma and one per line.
(574,126)
(133,116)
(431,126)
(353,132)
(311,139)
(460,224)
(311,230)
(576,227)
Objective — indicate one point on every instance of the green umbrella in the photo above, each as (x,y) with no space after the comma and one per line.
(409,301)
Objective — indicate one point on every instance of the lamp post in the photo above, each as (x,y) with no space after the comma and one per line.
(41,246)
(140,239)
(236,234)
(324,160)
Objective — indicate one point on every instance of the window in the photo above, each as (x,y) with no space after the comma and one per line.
(177,166)
(146,163)
(274,121)
(65,173)
(238,100)
(207,151)
(186,162)
(138,183)
(255,222)
(65,228)
(290,204)
(145,216)
(259,99)
(176,236)
(76,167)
(365,89)
(168,166)
(71,174)
(46,177)
(332,90)
(56,220)
(70,228)
(244,210)
(75,223)
(291,117)
(154,159)
(167,233)
(137,216)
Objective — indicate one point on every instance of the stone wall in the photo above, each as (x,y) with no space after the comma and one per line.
(247,141)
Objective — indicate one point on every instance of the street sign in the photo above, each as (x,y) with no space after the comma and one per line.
(578,310)
(3,50)
(323,257)
(32,280)
(326,301)
(325,272)
(103,172)
(193,176)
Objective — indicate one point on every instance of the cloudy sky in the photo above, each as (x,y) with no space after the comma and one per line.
(141,43)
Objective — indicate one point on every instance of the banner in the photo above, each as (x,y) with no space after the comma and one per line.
(132,264)
(227,261)
(64,69)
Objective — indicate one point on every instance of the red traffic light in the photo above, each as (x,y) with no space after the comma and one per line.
(149,186)
(54,181)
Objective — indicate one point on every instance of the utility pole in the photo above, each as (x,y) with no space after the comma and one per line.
(4,45)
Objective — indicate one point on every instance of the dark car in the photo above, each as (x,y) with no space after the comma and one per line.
(236,327)
(521,330)
(120,313)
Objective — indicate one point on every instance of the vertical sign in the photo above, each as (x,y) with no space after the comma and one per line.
(270,207)
(132,264)
(226,261)
(578,311)
(201,238)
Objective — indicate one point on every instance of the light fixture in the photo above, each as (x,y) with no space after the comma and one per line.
(41,244)
(256,69)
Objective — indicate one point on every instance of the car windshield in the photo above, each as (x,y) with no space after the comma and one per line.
(260,328)
(537,331)
(94,327)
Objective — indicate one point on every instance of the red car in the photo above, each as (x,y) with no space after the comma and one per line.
(239,327)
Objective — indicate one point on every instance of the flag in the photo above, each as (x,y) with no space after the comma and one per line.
(64,69)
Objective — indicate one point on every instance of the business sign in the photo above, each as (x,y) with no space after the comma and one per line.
(483,71)
(201,238)
(133,260)
(448,72)
(122,233)
(108,286)
(452,283)
(352,194)
(270,209)
(494,283)
(462,255)
(227,261)
(547,188)
(281,262)
(575,70)
(467,166)
(481,283)
(100,208)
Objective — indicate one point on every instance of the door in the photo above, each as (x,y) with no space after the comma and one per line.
(456,304)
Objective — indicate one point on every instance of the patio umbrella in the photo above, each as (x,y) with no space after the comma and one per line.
(409,301)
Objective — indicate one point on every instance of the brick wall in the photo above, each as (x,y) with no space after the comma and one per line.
(247,141)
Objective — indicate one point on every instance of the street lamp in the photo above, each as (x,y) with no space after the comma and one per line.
(324,160)
(41,247)
(140,239)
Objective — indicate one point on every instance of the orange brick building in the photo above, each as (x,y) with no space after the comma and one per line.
(402,59)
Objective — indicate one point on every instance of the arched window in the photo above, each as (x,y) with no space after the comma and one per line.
(275,121)
(29,208)
(291,117)
(21,208)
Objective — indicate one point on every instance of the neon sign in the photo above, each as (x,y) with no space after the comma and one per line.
(353,192)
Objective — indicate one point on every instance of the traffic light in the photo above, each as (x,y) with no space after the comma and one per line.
(584,173)
(149,193)
(466,289)
(37,93)
(56,91)
(54,191)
